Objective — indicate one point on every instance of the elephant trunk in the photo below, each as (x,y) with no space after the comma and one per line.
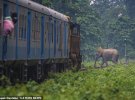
(96,58)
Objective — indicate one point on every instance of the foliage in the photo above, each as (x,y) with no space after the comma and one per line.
(103,23)
(4,81)
(111,83)
(130,4)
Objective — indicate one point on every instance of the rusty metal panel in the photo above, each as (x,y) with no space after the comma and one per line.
(75,44)
(74,38)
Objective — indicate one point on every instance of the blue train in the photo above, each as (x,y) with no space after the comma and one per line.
(43,40)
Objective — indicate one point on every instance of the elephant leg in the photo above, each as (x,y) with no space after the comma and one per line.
(115,60)
(106,63)
(102,63)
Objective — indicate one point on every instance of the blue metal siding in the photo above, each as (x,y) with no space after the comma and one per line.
(58,41)
(65,39)
(42,35)
(17,51)
(0,47)
(28,33)
(12,43)
(46,54)
(49,40)
(16,30)
(55,38)
(4,38)
(21,40)
(1,31)
(52,39)
(68,40)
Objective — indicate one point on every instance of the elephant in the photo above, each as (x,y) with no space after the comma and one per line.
(107,55)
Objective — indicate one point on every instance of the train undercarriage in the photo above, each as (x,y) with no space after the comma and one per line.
(23,71)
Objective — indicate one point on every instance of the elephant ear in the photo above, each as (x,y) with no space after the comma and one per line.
(100,51)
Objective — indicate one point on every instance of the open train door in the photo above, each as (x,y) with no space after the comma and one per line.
(75,45)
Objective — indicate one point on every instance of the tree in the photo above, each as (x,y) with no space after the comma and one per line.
(103,22)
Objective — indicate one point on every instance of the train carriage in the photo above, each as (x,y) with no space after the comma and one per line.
(43,38)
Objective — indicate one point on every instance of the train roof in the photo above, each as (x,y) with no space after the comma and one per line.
(40,8)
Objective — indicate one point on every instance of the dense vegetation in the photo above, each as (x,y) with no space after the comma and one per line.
(103,23)
(111,83)
(107,23)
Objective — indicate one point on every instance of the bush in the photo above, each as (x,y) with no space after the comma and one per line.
(111,83)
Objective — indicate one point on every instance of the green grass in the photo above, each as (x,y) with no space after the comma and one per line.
(115,82)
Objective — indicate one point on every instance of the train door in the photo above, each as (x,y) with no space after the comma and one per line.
(75,39)
(75,45)
(28,33)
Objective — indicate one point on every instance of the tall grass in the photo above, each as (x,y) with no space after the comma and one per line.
(115,82)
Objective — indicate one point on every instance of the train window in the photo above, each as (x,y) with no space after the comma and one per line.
(51,31)
(36,27)
(67,30)
(25,25)
(19,26)
(61,35)
(13,33)
(12,9)
(22,24)
(46,29)
(75,31)
(55,30)
(33,27)
(58,30)
(0,20)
